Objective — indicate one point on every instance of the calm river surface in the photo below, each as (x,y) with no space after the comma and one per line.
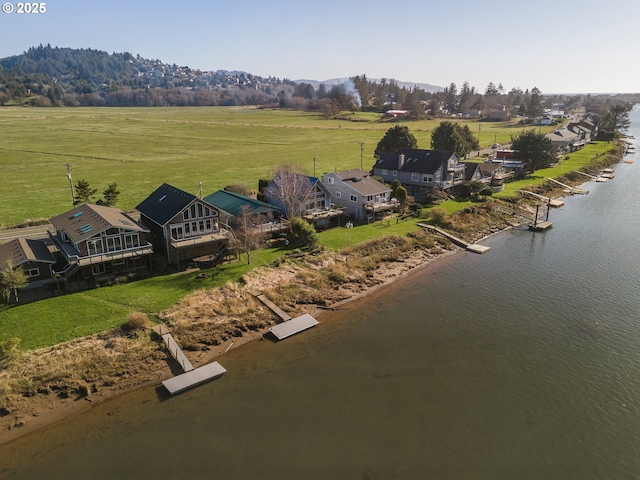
(523,363)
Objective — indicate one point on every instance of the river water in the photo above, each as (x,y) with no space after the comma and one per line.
(523,363)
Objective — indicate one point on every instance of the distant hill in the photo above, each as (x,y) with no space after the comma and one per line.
(56,76)
(427,87)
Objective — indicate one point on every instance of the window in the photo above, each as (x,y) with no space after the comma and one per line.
(113,244)
(94,247)
(99,268)
(385,171)
(32,272)
(185,214)
(353,198)
(414,177)
(330,180)
(427,178)
(113,231)
(187,229)
(177,232)
(338,194)
(132,240)
(395,173)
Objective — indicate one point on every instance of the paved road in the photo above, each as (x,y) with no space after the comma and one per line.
(38,232)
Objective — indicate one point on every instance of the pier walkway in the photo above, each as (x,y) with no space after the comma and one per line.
(173,347)
(192,376)
(471,247)
(289,326)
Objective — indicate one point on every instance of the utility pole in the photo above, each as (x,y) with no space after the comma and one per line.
(73,195)
(361,152)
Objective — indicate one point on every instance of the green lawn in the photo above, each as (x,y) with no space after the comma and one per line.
(64,317)
(140,148)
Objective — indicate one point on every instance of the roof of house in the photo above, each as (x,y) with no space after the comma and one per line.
(234,203)
(165,203)
(362,182)
(562,135)
(21,250)
(87,220)
(415,160)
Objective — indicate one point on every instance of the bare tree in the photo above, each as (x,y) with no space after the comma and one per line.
(289,189)
(249,231)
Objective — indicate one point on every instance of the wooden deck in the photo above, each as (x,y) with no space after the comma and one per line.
(540,226)
(291,327)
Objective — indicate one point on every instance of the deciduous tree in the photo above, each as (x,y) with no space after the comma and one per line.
(289,188)
(12,279)
(248,232)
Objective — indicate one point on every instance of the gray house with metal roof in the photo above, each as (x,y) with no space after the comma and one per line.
(98,240)
(420,170)
(358,192)
(182,226)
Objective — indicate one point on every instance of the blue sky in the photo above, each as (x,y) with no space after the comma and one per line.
(570,46)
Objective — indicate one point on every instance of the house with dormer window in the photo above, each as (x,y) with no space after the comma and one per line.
(359,193)
(420,170)
(182,226)
(95,240)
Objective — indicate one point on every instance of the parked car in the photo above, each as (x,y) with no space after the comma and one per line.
(495,145)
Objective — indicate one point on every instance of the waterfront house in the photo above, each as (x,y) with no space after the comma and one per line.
(421,170)
(32,256)
(96,241)
(182,226)
(232,205)
(298,195)
(359,193)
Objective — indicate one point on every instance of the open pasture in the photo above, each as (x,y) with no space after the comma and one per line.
(140,148)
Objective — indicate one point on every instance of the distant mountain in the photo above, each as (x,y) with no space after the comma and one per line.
(427,87)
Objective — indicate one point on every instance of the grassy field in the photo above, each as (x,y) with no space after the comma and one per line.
(140,148)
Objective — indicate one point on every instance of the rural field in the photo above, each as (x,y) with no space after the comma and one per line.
(140,148)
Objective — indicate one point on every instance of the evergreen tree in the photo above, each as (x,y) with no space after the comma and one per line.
(534,148)
(84,192)
(111,195)
(396,138)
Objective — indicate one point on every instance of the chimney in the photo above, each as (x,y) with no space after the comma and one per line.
(400,161)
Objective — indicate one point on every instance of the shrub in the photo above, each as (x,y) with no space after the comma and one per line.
(302,232)
(137,321)
(438,214)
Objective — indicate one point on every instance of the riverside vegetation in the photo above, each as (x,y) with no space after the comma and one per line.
(348,262)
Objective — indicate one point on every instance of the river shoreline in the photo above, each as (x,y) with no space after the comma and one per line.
(41,410)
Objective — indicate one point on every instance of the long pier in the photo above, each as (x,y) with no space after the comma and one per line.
(471,247)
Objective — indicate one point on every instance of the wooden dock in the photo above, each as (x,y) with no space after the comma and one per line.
(540,226)
(192,376)
(291,327)
(173,347)
(274,308)
(471,247)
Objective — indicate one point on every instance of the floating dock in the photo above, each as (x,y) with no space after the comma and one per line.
(471,247)
(293,326)
(192,376)
(540,226)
